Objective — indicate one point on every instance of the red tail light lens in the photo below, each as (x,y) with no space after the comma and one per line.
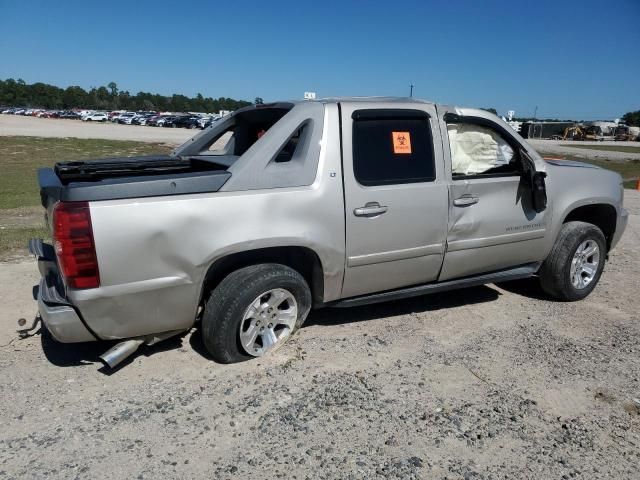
(75,248)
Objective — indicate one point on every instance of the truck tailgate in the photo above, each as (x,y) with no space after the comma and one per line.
(112,179)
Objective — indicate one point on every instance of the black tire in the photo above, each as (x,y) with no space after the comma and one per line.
(555,277)
(225,308)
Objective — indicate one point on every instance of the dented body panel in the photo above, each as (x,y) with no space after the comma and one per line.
(172,241)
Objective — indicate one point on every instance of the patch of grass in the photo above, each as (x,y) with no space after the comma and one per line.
(605,148)
(13,241)
(20,158)
(629,170)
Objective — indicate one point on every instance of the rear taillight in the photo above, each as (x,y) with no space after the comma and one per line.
(75,248)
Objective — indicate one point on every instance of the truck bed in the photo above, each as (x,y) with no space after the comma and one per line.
(115,178)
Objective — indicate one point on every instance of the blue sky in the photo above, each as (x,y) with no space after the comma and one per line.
(570,59)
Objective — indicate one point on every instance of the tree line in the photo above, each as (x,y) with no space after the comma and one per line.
(41,95)
(632,118)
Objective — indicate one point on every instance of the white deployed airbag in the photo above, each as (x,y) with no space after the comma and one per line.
(476,149)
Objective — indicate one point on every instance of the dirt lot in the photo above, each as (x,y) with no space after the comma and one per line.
(17,125)
(484,383)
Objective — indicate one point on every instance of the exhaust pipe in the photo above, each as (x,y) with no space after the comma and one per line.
(115,355)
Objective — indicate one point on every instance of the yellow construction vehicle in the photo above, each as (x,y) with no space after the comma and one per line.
(573,133)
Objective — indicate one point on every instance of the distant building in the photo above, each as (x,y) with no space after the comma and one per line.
(544,130)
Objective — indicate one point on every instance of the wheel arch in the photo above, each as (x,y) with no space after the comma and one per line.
(302,259)
(602,215)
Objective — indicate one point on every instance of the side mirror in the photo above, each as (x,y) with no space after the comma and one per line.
(536,182)
(539,192)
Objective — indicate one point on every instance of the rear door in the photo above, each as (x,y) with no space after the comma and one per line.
(396,197)
(493,224)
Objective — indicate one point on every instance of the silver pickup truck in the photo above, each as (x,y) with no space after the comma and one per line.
(284,207)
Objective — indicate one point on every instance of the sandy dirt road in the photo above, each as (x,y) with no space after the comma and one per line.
(483,383)
(17,125)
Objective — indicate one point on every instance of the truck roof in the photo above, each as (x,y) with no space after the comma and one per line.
(369,100)
(288,104)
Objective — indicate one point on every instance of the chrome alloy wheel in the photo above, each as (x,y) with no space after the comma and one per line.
(269,319)
(584,265)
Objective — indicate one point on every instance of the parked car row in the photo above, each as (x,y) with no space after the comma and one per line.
(148,118)
(42,113)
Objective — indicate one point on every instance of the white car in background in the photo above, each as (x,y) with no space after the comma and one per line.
(95,117)
(206,121)
(125,117)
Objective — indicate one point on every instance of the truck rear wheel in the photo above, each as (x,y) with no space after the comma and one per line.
(253,311)
(575,264)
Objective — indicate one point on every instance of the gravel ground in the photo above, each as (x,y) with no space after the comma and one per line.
(17,125)
(483,383)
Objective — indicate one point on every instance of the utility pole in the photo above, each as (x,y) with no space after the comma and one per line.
(411,90)
(535,113)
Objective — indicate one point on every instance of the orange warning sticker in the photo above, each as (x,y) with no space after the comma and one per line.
(401,142)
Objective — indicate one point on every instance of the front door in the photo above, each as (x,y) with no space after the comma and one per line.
(492,221)
(396,197)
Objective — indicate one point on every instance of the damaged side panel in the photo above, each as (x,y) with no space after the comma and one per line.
(492,221)
(167,244)
(498,231)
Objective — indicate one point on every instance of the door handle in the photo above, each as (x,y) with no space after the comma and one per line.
(371,209)
(465,201)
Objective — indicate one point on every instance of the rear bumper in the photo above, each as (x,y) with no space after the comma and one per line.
(58,314)
(621,225)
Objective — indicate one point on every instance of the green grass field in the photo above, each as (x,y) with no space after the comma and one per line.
(20,157)
(629,170)
(605,148)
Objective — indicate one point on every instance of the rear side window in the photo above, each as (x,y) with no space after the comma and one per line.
(291,147)
(392,147)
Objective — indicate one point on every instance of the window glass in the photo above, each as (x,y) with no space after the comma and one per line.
(287,152)
(392,150)
(478,150)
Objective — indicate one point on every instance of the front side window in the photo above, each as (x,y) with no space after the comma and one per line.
(479,150)
(392,148)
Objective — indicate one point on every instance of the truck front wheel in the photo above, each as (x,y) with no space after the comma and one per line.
(253,311)
(573,268)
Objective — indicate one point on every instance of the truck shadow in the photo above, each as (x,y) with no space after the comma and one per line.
(79,354)
(424,303)
(70,355)
(527,287)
